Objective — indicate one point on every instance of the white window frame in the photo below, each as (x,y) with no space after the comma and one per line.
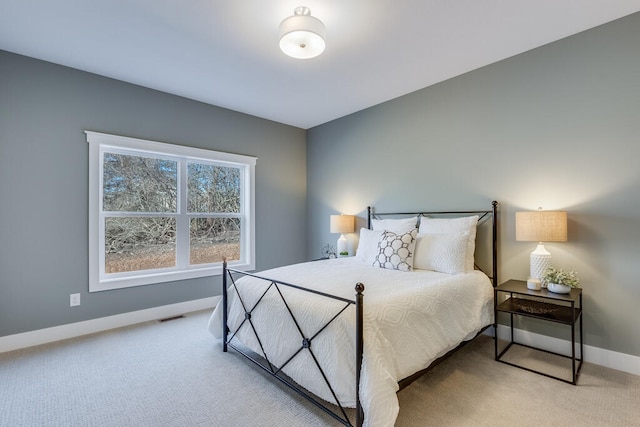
(99,143)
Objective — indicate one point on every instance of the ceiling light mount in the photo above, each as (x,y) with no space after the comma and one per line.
(302,36)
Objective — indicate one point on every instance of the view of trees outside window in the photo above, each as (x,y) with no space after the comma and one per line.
(141,206)
(213,190)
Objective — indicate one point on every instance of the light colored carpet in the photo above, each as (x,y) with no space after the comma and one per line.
(175,374)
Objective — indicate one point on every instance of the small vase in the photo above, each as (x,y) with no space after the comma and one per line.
(558,288)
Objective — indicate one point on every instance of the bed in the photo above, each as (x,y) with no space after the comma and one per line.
(350,332)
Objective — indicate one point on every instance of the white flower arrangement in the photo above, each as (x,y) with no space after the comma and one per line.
(561,277)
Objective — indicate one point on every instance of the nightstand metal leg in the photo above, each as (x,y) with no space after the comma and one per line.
(573,346)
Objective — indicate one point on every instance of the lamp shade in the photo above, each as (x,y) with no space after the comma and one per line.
(302,35)
(342,223)
(541,226)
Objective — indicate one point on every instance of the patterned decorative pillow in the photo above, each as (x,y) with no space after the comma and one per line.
(395,251)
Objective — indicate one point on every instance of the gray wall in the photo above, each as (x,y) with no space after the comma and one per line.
(556,127)
(44,109)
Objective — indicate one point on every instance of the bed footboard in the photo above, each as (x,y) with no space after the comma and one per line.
(338,412)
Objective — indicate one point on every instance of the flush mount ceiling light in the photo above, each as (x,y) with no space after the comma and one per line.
(302,35)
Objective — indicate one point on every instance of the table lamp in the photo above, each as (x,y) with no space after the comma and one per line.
(342,224)
(541,226)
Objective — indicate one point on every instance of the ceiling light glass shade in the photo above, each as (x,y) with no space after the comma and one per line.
(301,35)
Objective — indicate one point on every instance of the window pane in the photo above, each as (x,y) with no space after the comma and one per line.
(133,244)
(139,184)
(213,189)
(212,239)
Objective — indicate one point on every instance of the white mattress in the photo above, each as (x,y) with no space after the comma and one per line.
(410,319)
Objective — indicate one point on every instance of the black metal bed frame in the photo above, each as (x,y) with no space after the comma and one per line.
(339,413)
(306,341)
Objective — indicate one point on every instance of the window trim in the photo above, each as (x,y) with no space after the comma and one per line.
(100,142)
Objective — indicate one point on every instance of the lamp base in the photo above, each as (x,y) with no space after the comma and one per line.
(539,261)
(342,247)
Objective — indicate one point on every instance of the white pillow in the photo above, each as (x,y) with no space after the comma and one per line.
(395,251)
(441,252)
(368,245)
(398,226)
(454,225)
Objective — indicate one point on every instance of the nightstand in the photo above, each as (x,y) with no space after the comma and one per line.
(562,309)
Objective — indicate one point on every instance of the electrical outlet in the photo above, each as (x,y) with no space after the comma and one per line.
(74,299)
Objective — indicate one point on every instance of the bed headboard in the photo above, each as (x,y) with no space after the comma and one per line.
(486,254)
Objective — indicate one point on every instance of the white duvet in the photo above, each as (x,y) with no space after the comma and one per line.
(410,319)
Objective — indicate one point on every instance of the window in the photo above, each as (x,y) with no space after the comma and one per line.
(160,212)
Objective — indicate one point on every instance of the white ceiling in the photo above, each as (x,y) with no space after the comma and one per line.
(225,52)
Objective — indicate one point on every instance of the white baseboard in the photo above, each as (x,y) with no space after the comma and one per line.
(598,356)
(57,333)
